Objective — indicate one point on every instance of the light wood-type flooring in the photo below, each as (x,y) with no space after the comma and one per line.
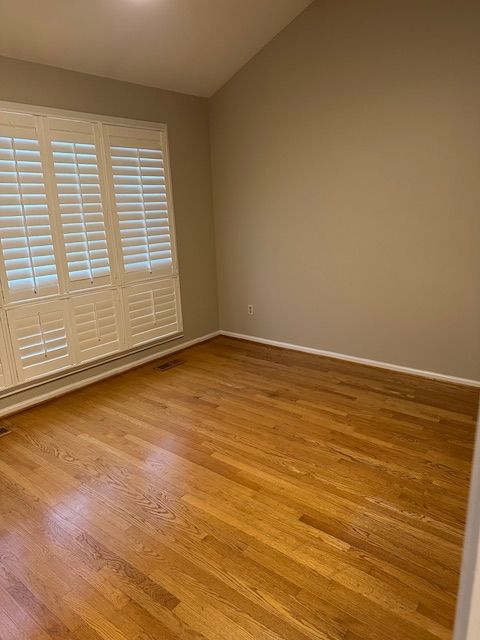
(249,493)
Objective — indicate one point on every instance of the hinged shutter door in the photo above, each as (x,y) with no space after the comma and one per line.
(39,338)
(79,194)
(141,202)
(25,231)
(152,310)
(96,324)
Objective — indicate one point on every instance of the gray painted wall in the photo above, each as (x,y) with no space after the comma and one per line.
(346,168)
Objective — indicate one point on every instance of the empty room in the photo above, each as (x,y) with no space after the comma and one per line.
(239,319)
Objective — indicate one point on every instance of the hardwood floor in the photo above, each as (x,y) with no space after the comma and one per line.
(249,493)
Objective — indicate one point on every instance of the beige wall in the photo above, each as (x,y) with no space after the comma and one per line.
(187,120)
(346,161)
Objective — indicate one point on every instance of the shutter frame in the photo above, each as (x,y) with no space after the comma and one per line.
(96,323)
(142,255)
(152,310)
(29,258)
(79,192)
(6,374)
(41,338)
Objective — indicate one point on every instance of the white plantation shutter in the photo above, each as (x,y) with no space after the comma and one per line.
(141,202)
(96,324)
(87,245)
(80,205)
(152,310)
(25,230)
(39,336)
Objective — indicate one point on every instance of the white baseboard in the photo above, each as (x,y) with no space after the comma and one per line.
(341,356)
(40,397)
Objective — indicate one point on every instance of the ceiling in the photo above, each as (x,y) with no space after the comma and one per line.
(192,46)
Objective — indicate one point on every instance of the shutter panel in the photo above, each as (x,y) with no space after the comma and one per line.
(80,205)
(39,337)
(25,231)
(96,324)
(152,310)
(141,203)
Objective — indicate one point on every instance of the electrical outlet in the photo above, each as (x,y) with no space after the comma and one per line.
(250,310)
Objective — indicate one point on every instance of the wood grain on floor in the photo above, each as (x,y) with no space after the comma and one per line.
(248,493)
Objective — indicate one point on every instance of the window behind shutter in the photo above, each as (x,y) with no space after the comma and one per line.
(25,231)
(39,336)
(152,310)
(140,194)
(79,194)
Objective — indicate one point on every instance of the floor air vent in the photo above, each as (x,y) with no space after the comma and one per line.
(165,366)
(4,431)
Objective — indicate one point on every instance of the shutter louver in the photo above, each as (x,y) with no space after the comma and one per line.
(25,231)
(152,310)
(39,336)
(140,193)
(95,318)
(80,202)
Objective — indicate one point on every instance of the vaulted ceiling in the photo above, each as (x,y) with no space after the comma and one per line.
(192,46)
